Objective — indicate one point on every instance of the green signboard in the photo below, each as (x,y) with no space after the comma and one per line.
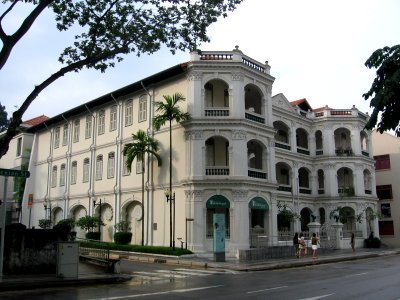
(14,173)
(217,201)
(258,203)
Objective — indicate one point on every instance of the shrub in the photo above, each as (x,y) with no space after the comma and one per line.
(372,242)
(122,238)
(44,223)
(93,235)
(88,223)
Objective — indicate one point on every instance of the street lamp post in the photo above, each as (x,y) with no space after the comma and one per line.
(171,198)
(94,207)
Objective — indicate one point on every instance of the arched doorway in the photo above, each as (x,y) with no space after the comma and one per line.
(134,216)
(258,210)
(220,205)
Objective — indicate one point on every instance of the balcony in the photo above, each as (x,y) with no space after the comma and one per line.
(365,153)
(254,117)
(217,170)
(284,188)
(216,112)
(282,146)
(257,174)
(346,191)
(303,151)
(319,152)
(321,191)
(305,190)
(344,152)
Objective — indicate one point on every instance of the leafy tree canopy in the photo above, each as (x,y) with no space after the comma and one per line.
(385,90)
(3,118)
(109,29)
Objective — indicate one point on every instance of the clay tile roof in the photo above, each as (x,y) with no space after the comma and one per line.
(297,102)
(35,121)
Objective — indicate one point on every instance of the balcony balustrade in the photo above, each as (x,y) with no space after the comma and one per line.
(282,145)
(304,190)
(319,152)
(257,174)
(216,112)
(284,188)
(303,151)
(346,191)
(254,117)
(217,170)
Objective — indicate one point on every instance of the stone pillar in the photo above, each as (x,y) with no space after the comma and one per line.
(314,227)
(240,238)
(338,234)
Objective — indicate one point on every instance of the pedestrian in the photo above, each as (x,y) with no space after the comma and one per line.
(352,243)
(296,244)
(302,245)
(314,245)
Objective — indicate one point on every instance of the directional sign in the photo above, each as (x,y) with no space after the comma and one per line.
(14,173)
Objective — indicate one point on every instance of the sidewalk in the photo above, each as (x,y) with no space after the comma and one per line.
(91,274)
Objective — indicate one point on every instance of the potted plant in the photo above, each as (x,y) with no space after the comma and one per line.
(45,223)
(123,236)
(66,226)
(89,223)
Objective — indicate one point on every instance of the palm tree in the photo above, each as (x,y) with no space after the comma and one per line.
(169,111)
(142,144)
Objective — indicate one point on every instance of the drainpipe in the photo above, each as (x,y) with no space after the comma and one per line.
(149,181)
(118,161)
(67,171)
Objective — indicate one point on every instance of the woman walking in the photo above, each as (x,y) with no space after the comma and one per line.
(296,244)
(314,245)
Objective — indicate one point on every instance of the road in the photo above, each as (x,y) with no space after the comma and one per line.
(362,279)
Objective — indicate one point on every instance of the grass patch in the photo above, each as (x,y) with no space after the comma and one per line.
(135,248)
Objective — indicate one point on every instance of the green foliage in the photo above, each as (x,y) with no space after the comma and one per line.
(44,223)
(169,111)
(373,242)
(385,90)
(3,118)
(123,226)
(345,215)
(93,235)
(137,248)
(68,222)
(122,238)
(89,223)
(142,144)
(286,214)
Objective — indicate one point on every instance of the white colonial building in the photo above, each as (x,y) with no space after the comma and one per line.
(244,153)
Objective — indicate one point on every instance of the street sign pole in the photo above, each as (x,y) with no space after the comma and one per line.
(3,224)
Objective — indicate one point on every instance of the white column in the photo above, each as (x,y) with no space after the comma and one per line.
(328,140)
(197,232)
(240,238)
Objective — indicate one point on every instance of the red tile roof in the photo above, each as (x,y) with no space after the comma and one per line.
(35,121)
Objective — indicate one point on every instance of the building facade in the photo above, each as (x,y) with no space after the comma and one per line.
(17,158)
(244,154)
(387,166)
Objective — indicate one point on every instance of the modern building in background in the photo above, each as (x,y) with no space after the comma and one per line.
(244,154)
(387,167)
(17,158)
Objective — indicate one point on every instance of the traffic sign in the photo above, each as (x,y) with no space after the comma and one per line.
(14,173)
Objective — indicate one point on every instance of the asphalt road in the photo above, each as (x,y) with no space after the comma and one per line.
(376,278)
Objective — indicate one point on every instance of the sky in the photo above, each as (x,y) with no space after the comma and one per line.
(316,50)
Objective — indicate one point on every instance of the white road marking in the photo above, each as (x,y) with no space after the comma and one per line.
(317,297)
(173,272)
(159,293)
(358,274)
(158,274)
(270,289)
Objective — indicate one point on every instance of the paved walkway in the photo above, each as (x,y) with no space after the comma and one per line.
(90,274)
